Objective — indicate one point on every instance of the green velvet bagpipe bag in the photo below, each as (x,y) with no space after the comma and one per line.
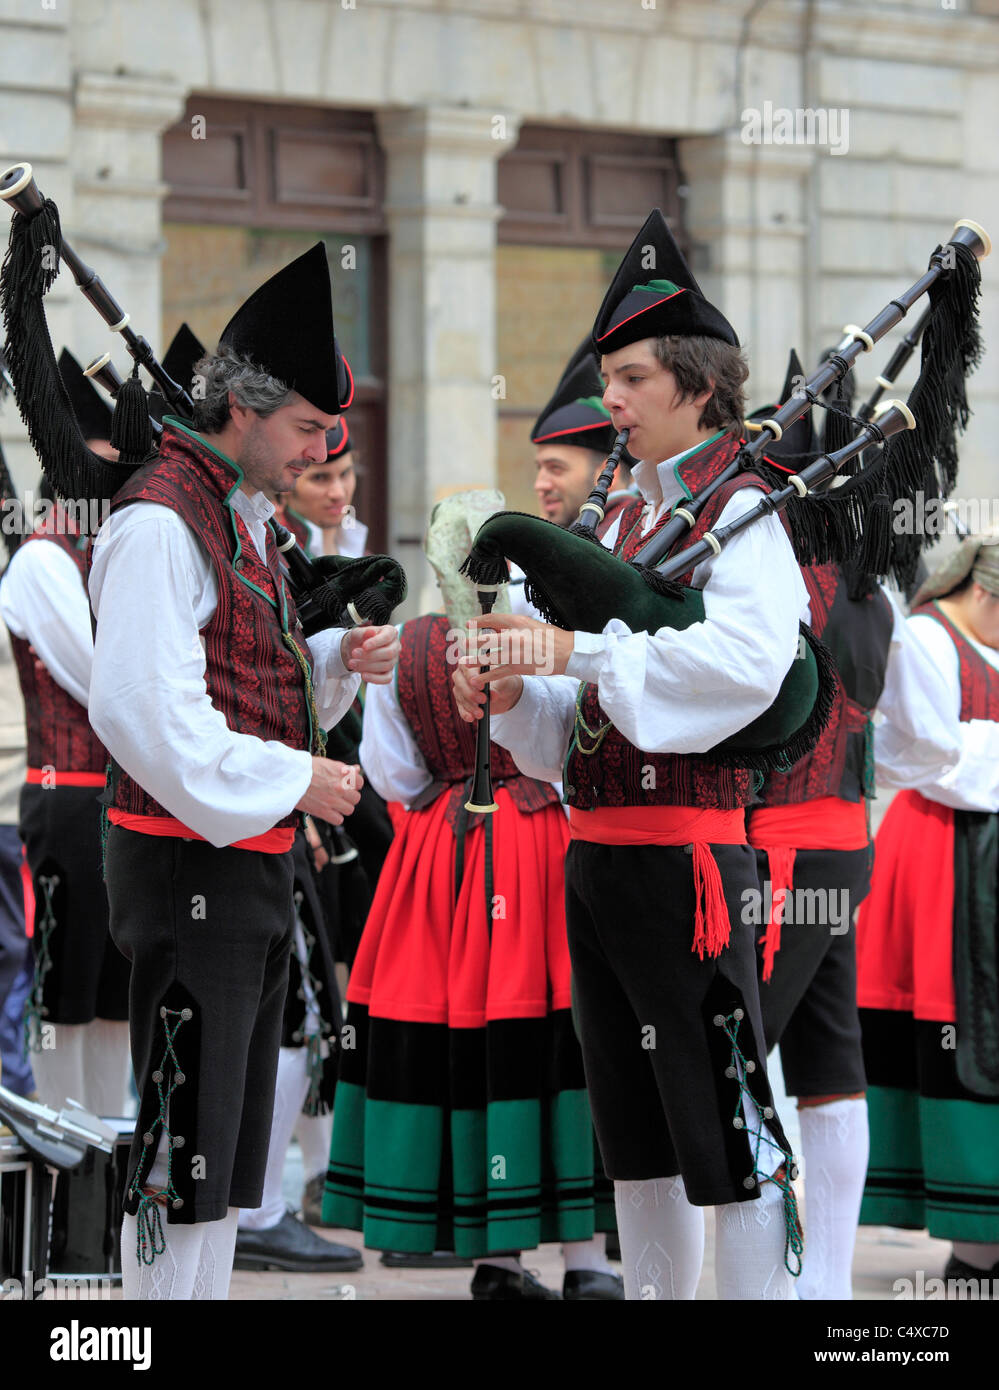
(578,585)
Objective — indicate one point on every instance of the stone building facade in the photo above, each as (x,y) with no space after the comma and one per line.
(793,229)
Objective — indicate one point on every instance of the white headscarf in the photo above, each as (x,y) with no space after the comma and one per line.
(454,523)
(977,556)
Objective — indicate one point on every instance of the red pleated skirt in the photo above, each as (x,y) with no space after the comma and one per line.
(429,957)
(905,925)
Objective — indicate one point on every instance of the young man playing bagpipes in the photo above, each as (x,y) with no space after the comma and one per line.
(664,970)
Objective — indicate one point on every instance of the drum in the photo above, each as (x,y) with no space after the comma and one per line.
(87,1210)
(25,1195)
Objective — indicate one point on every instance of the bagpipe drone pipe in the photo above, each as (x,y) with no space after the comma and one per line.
(578,585)
(332,592)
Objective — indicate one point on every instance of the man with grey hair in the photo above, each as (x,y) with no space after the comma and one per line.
(212,706)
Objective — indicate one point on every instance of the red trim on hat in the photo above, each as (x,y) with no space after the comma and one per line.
(350,378)
(635,315)
(573,429)
(344,444)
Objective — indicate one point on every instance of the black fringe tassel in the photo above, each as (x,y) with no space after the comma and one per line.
(537,595)
(131,431)
(486,566)
(584,532)
(30,264)
(669,588)
(11,521)
(835,526)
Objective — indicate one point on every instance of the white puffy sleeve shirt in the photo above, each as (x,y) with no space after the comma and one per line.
(671,691)
(389,753)
(919,740)
(152,588)
(42,599)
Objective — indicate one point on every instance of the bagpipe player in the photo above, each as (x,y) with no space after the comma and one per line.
(664,970)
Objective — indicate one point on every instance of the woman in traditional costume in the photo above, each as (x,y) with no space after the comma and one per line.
(928,946)
(462,1121)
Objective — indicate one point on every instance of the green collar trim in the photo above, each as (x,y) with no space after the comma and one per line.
(192,433)
(685,458)
(237,557)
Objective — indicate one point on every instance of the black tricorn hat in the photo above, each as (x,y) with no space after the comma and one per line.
(178,362)
(338,440)
(93,413)
(798,445)
(576,413)
(179,359)
(654,295)
(286,329)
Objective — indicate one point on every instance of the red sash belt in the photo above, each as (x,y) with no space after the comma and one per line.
(675,825)
(826,823)
(275,841)
(37,776)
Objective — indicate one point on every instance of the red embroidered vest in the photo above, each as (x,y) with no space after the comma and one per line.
(858,632)
(979,680)
(446,742)
(59,732)
(617,773)
(251,674)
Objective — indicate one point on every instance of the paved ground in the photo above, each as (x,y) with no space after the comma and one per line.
(883,1255)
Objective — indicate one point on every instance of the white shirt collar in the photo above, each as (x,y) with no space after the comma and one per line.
(255,508)
(256,511)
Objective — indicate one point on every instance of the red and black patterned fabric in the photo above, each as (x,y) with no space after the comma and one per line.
(979,680)
(446,742)
(59,732)
(294,523)
(251,674)
(616,773)
(858,632)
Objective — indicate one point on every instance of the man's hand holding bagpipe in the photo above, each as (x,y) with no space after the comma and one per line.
(520,646)
(334,791)
(371,652)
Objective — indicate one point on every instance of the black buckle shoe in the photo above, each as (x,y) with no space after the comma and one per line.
(292,1246)
(493,1283)
(591,1284)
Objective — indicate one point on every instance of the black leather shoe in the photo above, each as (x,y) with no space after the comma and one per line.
(291,1245)
(591,1284)
(438,1259)
(960,1269)
(492,1283)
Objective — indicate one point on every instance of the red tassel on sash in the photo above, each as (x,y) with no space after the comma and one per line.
(711,925)
(780,862)
(697,826)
